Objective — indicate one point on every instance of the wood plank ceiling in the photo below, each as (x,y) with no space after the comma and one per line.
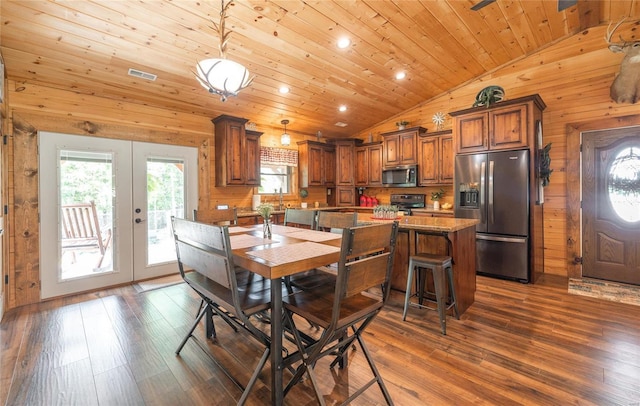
(87,46)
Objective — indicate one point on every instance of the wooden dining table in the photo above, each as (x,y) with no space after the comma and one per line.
(289,251)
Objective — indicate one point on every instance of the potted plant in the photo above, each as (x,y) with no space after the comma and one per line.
(436,196)
(303,195)
(402,124)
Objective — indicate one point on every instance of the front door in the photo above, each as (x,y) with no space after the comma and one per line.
(611,205)
(105,207)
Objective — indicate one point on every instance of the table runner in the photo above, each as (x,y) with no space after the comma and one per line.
(237,229)
(317,236)
(246,241)
(293,252)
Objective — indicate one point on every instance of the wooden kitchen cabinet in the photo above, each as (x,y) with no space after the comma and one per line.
(345,158)
(368,165)
(345,196)
(400,147)
(237,152)
(316,164)
(507,125)
(435,159)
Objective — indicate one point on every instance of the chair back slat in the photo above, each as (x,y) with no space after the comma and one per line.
(203,248)
(300,217)
(335,221)
(366,273)
(219,217)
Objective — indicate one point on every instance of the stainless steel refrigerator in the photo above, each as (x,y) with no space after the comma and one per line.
(494,188)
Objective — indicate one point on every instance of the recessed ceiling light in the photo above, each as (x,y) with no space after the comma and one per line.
(401,75)
(284,89)
(342,108)
(340,124)
(344,42)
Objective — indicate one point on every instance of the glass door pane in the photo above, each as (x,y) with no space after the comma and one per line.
(86,203)
(165,198)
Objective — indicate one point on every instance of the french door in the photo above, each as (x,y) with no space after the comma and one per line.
(105,209)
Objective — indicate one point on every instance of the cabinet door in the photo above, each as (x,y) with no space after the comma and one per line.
(345,196)
(362,166)
(329,167)
(391,150)
(316,157)
(471,133)
(408,149)
(344,158)
(235,140)
(252,150)
(447,159)
(428,165)
(508,127)
(374,158)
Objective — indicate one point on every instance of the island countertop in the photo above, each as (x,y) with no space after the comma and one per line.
(430,224)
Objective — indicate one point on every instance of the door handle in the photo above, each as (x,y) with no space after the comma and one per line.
(138,221)
(491,215)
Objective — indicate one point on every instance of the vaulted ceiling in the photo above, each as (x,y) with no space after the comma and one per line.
(88,46)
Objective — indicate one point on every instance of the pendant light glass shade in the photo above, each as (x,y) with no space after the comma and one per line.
(285,139)
(220,75)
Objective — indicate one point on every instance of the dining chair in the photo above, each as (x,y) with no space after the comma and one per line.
(335,221)
(344,312)
(226,290)
(300,218)
(221,217)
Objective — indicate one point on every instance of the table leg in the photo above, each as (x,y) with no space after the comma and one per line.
(276,342)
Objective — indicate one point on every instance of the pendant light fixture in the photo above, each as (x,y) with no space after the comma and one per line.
(285,139)
(221,75)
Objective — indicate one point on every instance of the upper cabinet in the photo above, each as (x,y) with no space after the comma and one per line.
(316,164)
(237,152)
(435,158)
(345,158)
(368,165)
(399,147)
(506,125)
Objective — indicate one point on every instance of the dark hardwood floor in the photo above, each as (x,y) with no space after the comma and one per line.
(517,344)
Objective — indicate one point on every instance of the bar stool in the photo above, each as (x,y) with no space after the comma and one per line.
(438,265)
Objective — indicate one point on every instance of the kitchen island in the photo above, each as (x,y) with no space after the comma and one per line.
(436,235)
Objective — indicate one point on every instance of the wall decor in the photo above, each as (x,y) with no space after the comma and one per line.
(489,95)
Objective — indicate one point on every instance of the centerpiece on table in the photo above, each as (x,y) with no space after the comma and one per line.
(265,211)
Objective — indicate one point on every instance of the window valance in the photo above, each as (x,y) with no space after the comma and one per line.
(278,156)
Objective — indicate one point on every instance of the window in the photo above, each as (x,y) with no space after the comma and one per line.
(274,177)
(276,169)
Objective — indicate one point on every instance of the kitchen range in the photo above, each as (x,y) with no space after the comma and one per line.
(406,202)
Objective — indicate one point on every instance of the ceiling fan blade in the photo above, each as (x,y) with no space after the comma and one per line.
(565,4)
(481,4)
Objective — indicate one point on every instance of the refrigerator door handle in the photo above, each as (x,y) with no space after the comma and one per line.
(501,239)
(483,171)
(491,216)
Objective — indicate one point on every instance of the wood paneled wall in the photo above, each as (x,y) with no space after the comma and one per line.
(572,76)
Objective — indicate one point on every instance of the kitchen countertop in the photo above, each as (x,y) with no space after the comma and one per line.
(429,224)
(250,213)
(432,210)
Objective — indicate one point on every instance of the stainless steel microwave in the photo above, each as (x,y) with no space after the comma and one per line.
(400,176)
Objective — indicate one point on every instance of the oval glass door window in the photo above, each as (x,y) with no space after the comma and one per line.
(623,184)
